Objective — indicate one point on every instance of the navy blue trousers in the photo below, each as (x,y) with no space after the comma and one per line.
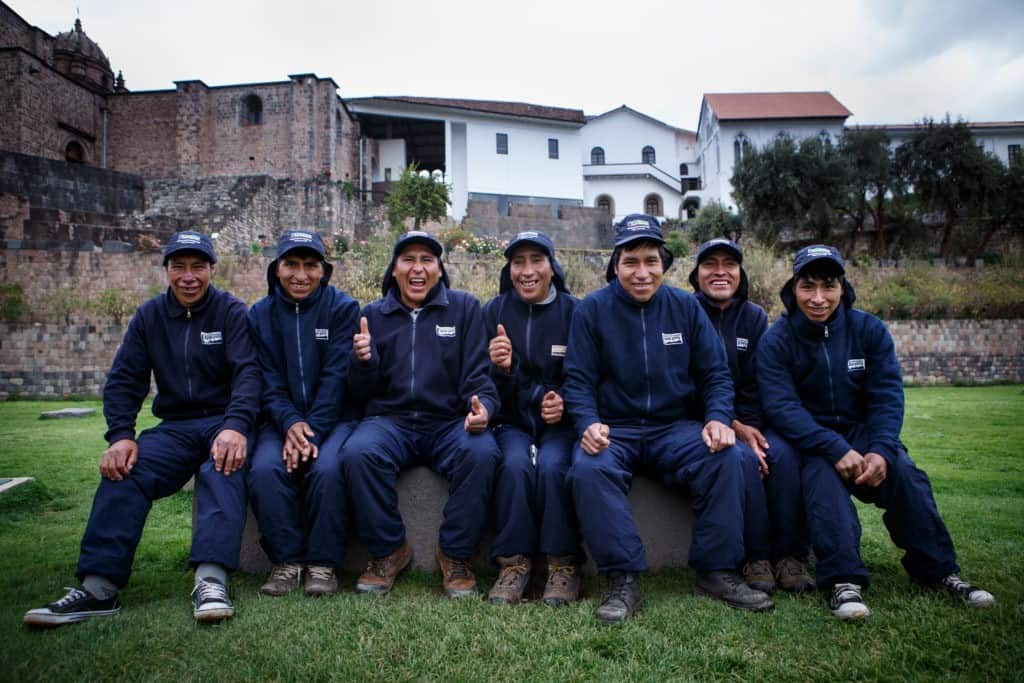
(169,454)
(302,515)
(533,507)
(675,452)
(911,517)
(381,447)
(773,514)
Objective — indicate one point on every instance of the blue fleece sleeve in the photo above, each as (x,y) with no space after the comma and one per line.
(240,354)
(783,408)
(711,367)
(748,402)
(582,369)
(275,396)
(476,377)
(330,393)
(884,387)
(127,382)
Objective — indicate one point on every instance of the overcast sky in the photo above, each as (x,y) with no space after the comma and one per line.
(887,61)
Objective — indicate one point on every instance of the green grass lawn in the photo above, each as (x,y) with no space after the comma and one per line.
(967,439)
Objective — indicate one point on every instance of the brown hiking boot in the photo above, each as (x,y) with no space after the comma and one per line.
(457,576)
(563,584)
(320,581)
(512,580)
(381,572)
(793,576)
(284,578)
(758,575)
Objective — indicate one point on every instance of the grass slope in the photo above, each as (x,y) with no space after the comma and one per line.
(965,438)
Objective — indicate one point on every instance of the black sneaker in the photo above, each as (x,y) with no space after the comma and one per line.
(730,589)
(846,602)
(77,605)
(971,595)
(210,601)
(622,599)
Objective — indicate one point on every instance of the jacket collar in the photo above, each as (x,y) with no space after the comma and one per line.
(307,303)
(619,291)
(176,310)
(808,329)
(438,296)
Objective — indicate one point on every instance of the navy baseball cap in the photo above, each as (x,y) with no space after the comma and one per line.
(300,239)
(418,237)
(719,244)
(817,252)
(189,240)
(638,226)
(533,237)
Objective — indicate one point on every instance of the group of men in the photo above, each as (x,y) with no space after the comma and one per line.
(537,408)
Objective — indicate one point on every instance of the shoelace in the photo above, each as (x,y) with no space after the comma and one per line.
(459,569)
(286,572)
(561,574)
(618,590)
(72,595)
(510,575)
(843,592)
(210,591)
(378,566)
(790,567)
(320,573)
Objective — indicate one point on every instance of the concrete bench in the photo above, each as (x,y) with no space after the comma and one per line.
(663,517)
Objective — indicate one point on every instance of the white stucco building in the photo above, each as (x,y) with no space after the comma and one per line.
(633,163)
(491,151)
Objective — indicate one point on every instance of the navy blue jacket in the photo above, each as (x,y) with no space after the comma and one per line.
(304,351)
(740,327)
(653,363)
(823,382)
(429,366)
(203,359)
(540,336)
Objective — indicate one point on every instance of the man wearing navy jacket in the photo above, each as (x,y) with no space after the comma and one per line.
(529,323)
(831,385)
(303,330)
(648,386)
(195,341)
(420,363)
(774,524)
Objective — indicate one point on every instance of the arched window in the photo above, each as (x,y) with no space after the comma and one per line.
(740,147)
(252,110)
(74,153)
(606,204)
(652,205)
(684,170)
(597,156)
(647,155)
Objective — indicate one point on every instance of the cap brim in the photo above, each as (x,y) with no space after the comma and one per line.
(536,242)
(433,244)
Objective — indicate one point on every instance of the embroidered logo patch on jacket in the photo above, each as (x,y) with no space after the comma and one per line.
(671,338)
(321,333)
(855,364)
(212,338)
(445,331)
(742,343)
(558,350)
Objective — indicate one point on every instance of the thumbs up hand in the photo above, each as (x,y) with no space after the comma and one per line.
(500,350)
(361,341)
(477,418)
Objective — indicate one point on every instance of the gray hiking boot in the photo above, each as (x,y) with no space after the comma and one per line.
(320,581)
(729,588)
(283,579)
(622,599)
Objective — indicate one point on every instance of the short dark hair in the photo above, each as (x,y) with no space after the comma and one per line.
(636,244)
(822,269)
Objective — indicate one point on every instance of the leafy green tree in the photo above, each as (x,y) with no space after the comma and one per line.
(417,196)
(1004,208)
(950,175)
(714,220)
(870,179)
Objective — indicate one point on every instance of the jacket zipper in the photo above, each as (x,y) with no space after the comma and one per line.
(412,357)
(828,366)
(302,374)
(529,324)
(647,372)
(188,368)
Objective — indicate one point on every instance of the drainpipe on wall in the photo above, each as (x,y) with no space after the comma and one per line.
(104,137)
(362,160)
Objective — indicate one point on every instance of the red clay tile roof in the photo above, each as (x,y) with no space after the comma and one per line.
(776,105)
(533,111)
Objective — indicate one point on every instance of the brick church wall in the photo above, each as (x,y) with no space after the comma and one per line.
(141,132)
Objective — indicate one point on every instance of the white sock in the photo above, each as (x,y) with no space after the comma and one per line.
(101,587)
(209,570)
